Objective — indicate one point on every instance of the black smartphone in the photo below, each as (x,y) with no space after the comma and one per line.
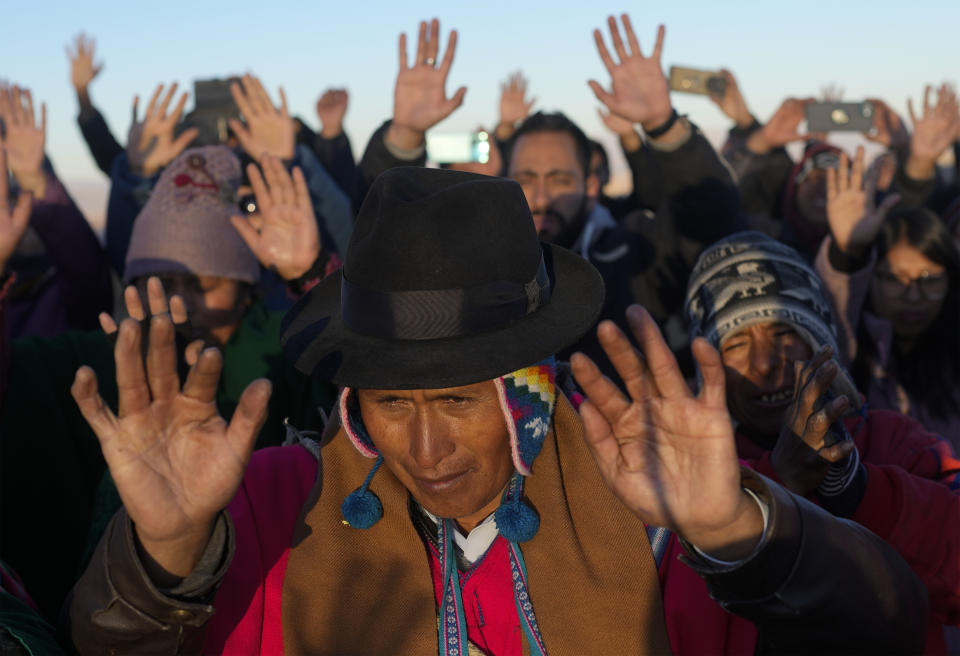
(839,117)
(695,80)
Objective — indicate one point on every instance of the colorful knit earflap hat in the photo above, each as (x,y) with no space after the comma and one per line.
(527,398)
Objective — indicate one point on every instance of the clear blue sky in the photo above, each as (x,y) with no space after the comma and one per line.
(777,49)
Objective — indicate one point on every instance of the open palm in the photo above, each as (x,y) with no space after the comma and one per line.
(639,87)
(667,455)
(175,461)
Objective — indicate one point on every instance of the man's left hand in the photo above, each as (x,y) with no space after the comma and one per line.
(669,456)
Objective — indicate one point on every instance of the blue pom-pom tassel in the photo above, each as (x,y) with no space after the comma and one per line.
(517,522)
(361,508)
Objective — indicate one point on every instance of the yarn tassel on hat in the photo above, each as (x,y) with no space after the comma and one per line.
(362,508)
(516,520)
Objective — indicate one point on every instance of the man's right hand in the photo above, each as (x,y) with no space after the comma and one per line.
(150,143)
(419,96)
(82,68)
(782,128)
(176,463)
(514,106)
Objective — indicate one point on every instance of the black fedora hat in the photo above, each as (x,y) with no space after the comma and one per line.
(444,284)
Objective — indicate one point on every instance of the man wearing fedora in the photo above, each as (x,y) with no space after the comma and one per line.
(503,522)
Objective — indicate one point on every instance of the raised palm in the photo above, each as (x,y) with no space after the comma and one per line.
(25,138)
(937,126)
(853,217)
(82,68)
(514,106)
(151,143)
(267,129)
(667,455)
(419,96)
(175,461)
(638,86)
(284,236)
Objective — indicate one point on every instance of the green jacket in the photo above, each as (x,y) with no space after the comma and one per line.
(56,495)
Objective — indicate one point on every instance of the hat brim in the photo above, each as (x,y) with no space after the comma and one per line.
(315,338)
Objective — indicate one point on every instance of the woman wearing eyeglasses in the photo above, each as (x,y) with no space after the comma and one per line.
(894,280)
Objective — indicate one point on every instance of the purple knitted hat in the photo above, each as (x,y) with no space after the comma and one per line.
(185,225)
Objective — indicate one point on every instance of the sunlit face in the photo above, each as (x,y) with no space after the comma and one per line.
(546,166)
(908,288)
(214,304)
(759,369)
(449,447)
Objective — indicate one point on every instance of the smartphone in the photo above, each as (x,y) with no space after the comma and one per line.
(695,80)
(458,148)
(839,117)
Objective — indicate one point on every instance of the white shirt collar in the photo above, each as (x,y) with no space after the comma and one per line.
(477,542)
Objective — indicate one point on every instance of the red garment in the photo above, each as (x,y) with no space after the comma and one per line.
(488,603)
(911,501)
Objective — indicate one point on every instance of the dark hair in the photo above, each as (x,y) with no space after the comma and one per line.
(603,170)
(555,122)
(931,372)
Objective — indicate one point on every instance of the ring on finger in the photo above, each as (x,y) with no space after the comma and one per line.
(429,61)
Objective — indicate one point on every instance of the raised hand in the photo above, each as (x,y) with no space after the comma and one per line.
(853,218)
(157,304)
(268,130)
(175,461)
(331,108)
(419,96)
(802,455)
(639,88)
(732,103)
(782,128)
(622,128)
(670,457)
(151,144)
(82,68)
(13,223)
(888,128)
(283,235)
(933,131)
(514,106)
(25,139)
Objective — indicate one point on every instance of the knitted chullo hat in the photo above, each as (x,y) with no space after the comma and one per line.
(749,278)
(527,398)
(185,225)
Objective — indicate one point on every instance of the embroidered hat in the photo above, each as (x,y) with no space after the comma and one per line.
(749,278)
(185,225)
(444,283)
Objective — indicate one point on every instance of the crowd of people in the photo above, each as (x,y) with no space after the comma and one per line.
(717,415)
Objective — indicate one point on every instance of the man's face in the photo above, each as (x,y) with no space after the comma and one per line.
(546,166)
(449,447)
(759,369)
